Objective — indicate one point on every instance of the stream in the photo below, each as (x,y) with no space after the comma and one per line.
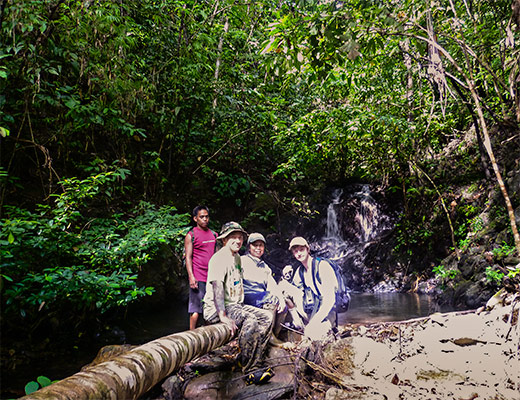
(364,308)
(367,308)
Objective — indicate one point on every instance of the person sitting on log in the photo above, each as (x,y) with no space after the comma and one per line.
(319,294)
(260,288)
(224,299)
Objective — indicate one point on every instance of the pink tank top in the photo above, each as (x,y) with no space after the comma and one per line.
(203,249)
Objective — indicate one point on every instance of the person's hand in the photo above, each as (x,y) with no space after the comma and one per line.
(194,284)
(230,323)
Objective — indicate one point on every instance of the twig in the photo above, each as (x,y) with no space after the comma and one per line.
(296,372)
(327,373)
(221,147)
(510,319)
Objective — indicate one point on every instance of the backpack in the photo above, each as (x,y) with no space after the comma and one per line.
(342,292)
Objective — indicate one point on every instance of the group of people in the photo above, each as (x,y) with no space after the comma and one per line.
(241,292)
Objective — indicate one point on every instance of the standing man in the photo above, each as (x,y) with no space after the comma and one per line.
(199,246)
(224,299)
(318,281)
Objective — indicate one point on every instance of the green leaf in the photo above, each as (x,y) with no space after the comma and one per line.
(43,381)
(31,387)
(4,132)
(71,103)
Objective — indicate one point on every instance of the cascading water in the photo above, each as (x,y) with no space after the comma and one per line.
(356,222)
(332,218)
(368,216)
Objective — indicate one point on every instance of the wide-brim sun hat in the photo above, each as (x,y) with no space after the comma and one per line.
(230,227)
(298,241)
(253,237)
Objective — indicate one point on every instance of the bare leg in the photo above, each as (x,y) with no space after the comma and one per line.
(193,320)
(297,319)
(279,319)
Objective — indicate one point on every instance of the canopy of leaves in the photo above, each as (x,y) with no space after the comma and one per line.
(397,72)
(225,103)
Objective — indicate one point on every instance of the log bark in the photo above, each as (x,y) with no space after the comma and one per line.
(134,373)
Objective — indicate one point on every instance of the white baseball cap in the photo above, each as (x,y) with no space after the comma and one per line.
(298,241)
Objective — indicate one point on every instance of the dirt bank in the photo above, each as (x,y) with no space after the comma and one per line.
(472,355)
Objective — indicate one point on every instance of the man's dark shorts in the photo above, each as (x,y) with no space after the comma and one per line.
(195,299)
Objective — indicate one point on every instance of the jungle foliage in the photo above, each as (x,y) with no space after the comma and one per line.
(61,261)
(109,108)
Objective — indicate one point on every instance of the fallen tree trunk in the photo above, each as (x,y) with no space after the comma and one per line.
(134,373)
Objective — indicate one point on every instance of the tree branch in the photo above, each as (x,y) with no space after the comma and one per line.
(220,149)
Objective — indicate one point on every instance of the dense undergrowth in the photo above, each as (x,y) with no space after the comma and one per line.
(72,260)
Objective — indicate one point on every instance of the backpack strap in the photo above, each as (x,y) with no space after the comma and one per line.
(315,276)
(313,273)
(318,261)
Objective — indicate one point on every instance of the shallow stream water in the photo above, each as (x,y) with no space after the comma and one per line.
(383,307)
(364,308)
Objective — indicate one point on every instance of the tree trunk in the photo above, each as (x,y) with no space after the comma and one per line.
(132,374)
(217,69)
(487,142)
(501,184)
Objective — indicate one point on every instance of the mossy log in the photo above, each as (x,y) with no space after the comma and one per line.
(135,372)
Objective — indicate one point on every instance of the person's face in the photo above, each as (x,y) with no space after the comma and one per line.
(202,219)
(234,241)
(300,253)
(257,248)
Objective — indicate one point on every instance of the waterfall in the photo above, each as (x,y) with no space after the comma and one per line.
(332,218)
(368,217)
(356,221)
